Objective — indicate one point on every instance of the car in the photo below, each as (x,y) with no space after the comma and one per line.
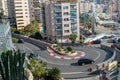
(84,61)
(20,41)
(34,55)
(97,42)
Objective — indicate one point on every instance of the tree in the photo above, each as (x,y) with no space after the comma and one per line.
(53,74)
(38,69)
(73,38)
(31,28)
(12,65)
(88,20)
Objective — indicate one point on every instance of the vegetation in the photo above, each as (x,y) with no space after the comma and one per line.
(14,40)
(73,38)
(31,30)
(12,65)
(88,20)
(118,65)
(69,49)
(39,71)
(37,68)
(53,74)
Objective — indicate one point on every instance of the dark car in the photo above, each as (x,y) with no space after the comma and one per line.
(20,41)
(97,42)
(84,61)
(34,55)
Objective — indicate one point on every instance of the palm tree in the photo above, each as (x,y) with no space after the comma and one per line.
(53,74)
(73,38)
(38,69)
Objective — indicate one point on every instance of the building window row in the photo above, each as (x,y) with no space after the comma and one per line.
(20,20)
(65,7)
(66,13)
(66,19)
(18,9)
(66,31)
(19,13)
(19,16)
(20,23)
(66,25)
(18,2)
(18,6)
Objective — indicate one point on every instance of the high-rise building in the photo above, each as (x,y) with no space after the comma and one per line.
(4,7)
(18,11)
(62,20)
(5,35)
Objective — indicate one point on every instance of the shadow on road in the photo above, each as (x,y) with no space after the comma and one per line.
(74,64)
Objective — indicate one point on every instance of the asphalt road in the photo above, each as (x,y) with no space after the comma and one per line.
(68,68)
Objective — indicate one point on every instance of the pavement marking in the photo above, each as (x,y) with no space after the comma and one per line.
(53,54)
(74,72)
(97,56)
(28,49)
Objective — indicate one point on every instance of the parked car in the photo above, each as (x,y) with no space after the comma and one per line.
(84,61)
(20,41)
(97,42)
(34,55)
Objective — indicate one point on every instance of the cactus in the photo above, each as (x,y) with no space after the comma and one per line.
(11,65)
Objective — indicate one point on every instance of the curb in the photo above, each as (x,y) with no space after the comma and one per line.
(55,55)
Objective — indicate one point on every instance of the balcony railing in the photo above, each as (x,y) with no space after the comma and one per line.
(57,4)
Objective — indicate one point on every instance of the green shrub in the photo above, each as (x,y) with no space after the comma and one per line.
(118,47)
(69,49)
(118,64)
(14,40)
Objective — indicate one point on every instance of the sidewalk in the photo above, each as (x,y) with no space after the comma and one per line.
(90,78)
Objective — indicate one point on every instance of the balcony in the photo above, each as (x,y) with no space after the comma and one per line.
(58,29)
(73,10)
(72,4)
(73,17)
(57,4)
(58,17)
(58,11)
(73,28)
(58,23)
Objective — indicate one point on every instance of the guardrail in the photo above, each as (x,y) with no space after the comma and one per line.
(38,43)
(105,63)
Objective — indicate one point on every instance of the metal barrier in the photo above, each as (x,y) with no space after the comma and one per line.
(105,63)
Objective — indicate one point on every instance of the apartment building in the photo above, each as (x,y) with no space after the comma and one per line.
(62,20)
(3,6)
(5,35)
(18,12)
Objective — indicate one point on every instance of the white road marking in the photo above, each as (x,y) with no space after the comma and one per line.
(74,72)
(28,49)
(97,56)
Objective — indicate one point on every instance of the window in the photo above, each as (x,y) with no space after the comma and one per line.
(18,9)
(20,20)
(19,16)
(66,13)
(20,23)
(66,25)
(66,31)
(66,19)
(65,7)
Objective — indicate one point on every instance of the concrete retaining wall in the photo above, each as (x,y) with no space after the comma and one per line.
(32,41)
(105,63)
